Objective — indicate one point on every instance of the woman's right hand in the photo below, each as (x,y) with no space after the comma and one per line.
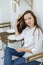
(17,22)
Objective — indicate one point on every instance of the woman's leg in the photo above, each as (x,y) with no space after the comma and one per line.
(9,52)
(20,61)
(33,63)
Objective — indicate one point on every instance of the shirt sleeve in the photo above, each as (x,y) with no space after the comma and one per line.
(37,42)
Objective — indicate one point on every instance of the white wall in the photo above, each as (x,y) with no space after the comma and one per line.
(0,11)
(5,10)
(0,14)
(38,9)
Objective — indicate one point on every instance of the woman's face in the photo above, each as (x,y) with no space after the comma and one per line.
(29,20)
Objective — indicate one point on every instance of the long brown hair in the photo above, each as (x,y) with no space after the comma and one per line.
(22,25)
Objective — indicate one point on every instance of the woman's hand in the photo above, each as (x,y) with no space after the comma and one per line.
(19,49)
(17,22)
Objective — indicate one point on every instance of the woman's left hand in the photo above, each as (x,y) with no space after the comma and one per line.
(19,49)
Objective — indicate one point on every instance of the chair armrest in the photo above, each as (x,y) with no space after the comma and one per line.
(35,56)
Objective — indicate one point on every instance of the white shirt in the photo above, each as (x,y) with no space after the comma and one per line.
(33,42)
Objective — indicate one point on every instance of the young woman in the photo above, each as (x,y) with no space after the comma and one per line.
(27,29)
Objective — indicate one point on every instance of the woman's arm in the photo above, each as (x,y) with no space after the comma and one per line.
(19,36)
(38,45)
(16,30)
(24,50)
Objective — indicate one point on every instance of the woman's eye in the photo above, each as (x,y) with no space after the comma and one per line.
(29,18)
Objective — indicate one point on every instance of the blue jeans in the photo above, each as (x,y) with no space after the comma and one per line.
(9,52)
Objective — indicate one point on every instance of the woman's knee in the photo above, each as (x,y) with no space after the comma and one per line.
(7,51)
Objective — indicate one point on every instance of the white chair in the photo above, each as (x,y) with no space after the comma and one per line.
(4,26)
